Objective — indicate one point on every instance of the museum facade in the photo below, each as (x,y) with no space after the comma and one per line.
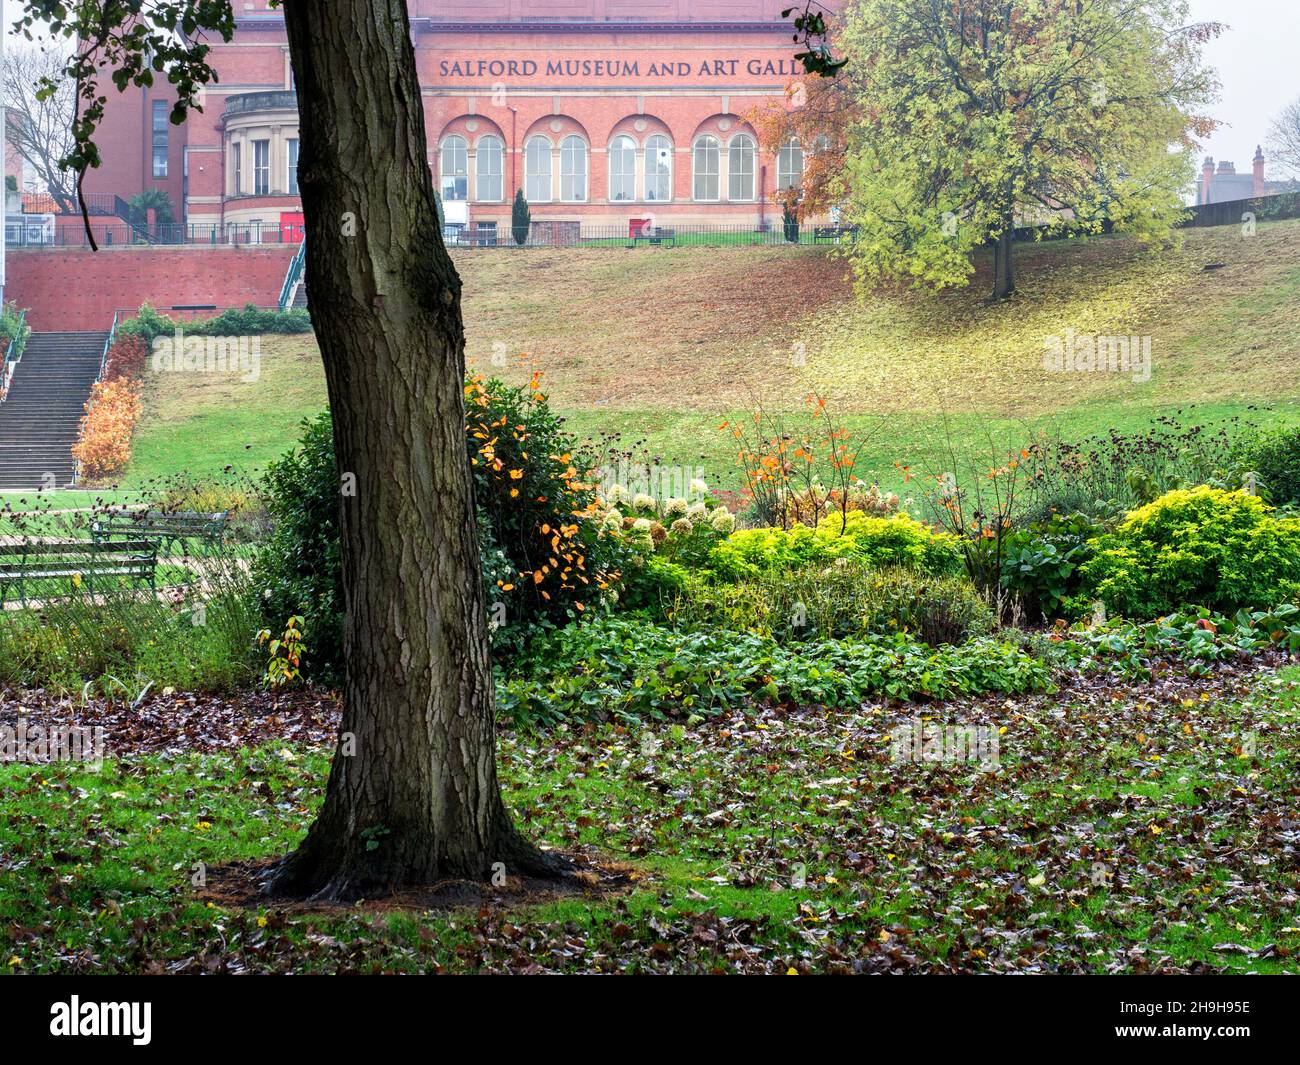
(606,113)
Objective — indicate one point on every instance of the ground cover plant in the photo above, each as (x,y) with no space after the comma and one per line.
(1127,827)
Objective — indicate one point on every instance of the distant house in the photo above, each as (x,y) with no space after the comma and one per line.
(1224,183)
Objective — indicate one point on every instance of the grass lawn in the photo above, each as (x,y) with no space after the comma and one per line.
(661,344)
(1124,829)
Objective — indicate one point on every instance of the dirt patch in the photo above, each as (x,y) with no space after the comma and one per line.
(238,886)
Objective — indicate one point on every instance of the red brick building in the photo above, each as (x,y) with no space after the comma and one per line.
(602,111)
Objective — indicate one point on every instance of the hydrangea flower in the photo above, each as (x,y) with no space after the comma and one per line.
(723,521)
(675,508)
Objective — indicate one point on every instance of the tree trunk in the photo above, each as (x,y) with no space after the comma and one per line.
(1004,281)
(418,801)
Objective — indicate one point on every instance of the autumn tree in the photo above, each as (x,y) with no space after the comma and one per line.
(979,115)
(816,116)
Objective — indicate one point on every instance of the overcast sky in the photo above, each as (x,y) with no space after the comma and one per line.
(1258,60)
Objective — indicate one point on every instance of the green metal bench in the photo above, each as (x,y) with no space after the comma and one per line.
(164,525)
(822,234)
(656,235)
(80,562)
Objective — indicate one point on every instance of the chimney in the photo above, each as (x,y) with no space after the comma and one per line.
(1259,171)
(1207,176)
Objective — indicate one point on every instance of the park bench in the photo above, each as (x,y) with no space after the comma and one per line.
(78,561)
(656,235)
(165,525)
(834,233)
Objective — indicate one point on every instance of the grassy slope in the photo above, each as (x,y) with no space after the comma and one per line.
(658,344)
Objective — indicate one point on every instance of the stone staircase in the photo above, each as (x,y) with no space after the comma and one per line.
(47,398)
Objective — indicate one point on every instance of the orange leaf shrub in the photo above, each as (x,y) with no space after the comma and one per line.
(104,441)
(126,358)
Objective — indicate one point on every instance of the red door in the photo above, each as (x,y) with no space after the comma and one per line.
(292,227)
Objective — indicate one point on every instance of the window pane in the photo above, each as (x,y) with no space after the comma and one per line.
(622,169)
(573,169)
(292,183)
(789,164)
(537,170)
(261,168)
(161,111)
(707,162)
(236,169)
(454,169)
(488,169)
(658,168)
(740,169)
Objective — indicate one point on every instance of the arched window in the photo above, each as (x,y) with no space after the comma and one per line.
(537,170)
(658,168)
(708,158)
(789,164)
(454,169)
(488,169)
(622,168)
(740,168)
(573,169)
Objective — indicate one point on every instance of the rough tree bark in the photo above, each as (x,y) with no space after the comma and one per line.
(419,800)
(1004,278)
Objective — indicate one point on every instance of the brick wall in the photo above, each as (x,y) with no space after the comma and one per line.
(72,288)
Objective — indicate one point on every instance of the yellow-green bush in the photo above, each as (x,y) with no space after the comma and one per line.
(857,537)
(1194,547)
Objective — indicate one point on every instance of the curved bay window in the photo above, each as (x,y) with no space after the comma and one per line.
(489,169)
(740,167)
(537,170)
(707,168)
(453,168)
(573,169)
(658,168)
(622,168)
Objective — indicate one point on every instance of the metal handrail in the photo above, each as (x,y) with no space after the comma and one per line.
(13,354)
(293,275)
(108,344)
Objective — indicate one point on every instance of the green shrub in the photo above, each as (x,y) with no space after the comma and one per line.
(297,570)
(1274,458)
(857,537)
(252,321)
(1194,547)
(248,321)
(935,610)
(1197,638)
(630,669)
(543,559)
(802,603)
(147,323)
(1042,560)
